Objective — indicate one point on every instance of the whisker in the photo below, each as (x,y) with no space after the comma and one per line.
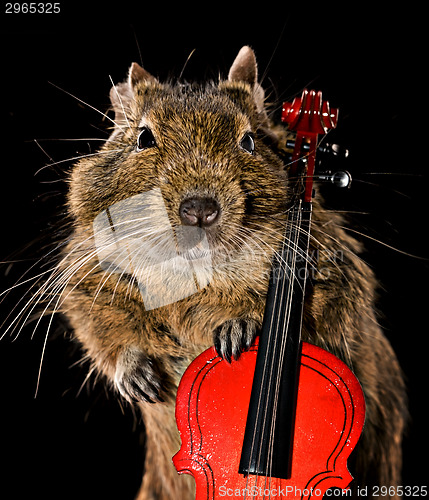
(43,353)
(262,243)
(79,158)
(109,274)
(51,287)
(74,139)
(186,63)
(408,254)
(18,317)
(87,377)
(43,151)
(89,105)
(120,100)
(21,281)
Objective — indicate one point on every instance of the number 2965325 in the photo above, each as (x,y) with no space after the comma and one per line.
(33,8)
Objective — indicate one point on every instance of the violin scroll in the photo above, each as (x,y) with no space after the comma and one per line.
(309,114)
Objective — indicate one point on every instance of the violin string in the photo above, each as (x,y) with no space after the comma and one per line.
(264,373)
(287,266)
(303,232)
(293,251)
(286,321)
(293,226)
(293,245)
(258,410)
(272,379)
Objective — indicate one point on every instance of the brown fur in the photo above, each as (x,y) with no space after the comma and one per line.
(144,353)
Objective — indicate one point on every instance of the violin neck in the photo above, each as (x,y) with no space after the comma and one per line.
(268,438)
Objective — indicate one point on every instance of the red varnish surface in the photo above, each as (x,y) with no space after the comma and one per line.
(211,411)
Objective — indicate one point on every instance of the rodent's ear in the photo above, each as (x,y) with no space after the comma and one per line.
(245,69)
(137,74)
(122,94)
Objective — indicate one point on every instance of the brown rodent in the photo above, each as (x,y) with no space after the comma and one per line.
(203,163)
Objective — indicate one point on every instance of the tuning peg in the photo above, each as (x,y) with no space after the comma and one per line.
(334,150)
(341,179)
(329,149)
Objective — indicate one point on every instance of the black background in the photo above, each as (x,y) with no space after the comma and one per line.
(67,443)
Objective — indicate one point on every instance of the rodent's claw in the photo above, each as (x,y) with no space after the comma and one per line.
(233,337)
(223,347)
(137,377)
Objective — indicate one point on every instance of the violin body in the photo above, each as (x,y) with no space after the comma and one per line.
(211,411)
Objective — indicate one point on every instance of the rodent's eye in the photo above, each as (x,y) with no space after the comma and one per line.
(248,142)
(145,139)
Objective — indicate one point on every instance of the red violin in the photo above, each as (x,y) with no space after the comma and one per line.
(281,421)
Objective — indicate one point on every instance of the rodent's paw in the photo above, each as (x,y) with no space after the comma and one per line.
(137,377)
(233,337)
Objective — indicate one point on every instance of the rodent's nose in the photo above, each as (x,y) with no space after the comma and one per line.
(201,212)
